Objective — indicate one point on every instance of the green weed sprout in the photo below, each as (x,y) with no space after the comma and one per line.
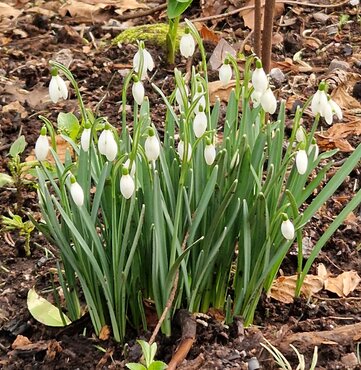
(134,214)
(149,351)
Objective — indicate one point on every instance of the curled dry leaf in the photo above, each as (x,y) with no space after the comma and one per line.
(217,90)
(220,52)
(343,284)
(104,333)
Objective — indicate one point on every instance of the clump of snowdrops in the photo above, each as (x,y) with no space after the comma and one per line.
(212,212)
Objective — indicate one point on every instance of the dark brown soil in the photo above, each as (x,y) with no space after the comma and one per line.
(27,43)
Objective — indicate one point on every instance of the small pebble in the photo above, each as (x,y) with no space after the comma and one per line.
(350,360)
(277,76)
(338,64)
(253,364)
(320,17)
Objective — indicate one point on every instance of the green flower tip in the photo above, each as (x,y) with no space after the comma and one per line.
(258,63)
(87,125)
(208,141)
(151,131)
(125,171)
(187,30)
(200,108)
(322,86)
(135,78)
(107,126)
(302,146)
(72,179)
(141,45)
(284,217)
(314,142)
(199,89)
(43,131)
(54,71)
(226,61)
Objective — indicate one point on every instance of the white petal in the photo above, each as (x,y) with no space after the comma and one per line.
(336,109)
(201,103)
(259,80)
(200,124)
(77,194)
(256,98)
(42,148)
(225,73)
(111,146)
(102,142)
(209,154)
(132,170)
(318,103)
(138,92)
(327,113)
(85,139)
(268,101)
(127,186)
(152,148)
(316,149)
(136,65)
(300,135)
(288,230)
(187,45)
(63,90)
(181,150)
(301,161)
(54,92)
(148,60)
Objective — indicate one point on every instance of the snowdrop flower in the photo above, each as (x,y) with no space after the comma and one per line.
(127,185)
(301,161)
(57,87)
(314,147)
(225,72)
(300,134)
(132,170)
(256,98)
(76,192)
(181,150)
(187,44)
(152,146)
(107,144)
(319,101)
(42,146)
(335,109)
(259,78)
(142,58)
(200,123)
(138,91)
(287,228)
(268,101)
(354,2)
(85,138)
(209,153)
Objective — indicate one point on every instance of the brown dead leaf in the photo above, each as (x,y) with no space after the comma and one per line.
(17,107)
(343,284)
(20,341)
(7,11)
(219,53)
(104,333)
(248,15)
(41,10)
(53,349)
(326,143)
(208,35)
(322,271)
(218,90)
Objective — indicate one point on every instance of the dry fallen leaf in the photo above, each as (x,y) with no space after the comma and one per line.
(219,53)
(343,284)
(7,11)
(17,107)
(20,341)
(218,90)
(104,333)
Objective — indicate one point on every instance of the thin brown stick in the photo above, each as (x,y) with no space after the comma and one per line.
(267,34)
(249,7)
(257,27)
(144,13)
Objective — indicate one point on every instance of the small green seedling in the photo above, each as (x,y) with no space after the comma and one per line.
(149,351)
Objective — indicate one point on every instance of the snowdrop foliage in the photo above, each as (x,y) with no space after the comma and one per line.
(127,185)
(187,44)
(142,61)
(301,161)
(107,144)
(57,87)
(42,146)
(287,228)
(76,192)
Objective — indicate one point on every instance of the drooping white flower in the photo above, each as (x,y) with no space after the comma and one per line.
(142,57)
(200,124)
(181,150)
(130,170)
(336,109)
(76,192)
(85,139)
(301,161)
(354,2)
(259,78)
(319,101)
(225,73)
(287,229)
(152,146)
(187,44)
(209,154)
(256,98)
(107,144)
(300,134)
(138,92)
(314,147)
(127,185)
(42,146)
(268,101)
(57,87)
(327,113)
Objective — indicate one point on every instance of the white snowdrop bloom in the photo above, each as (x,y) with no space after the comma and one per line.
(201,103)
(335,109)
(327,113)
(127,185)
(57,88)
(288,230)
(76,192)
(354,2)
(130,170)
(300,135)
(301,161)
(181,150)
(179,99)
(85,139)
(256,98)
(187,45)
(148,63)
(138,92)
(225,73)
(200,124)
(314,147)
(268,101)
(319,102)
(209,154)
(107,145)
(152,146)
(42,146)
(259,78)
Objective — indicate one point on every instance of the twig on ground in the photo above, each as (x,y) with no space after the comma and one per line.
(144,13)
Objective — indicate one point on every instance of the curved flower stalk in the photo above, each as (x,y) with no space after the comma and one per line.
(107,144)
(57,87)
(42,145)
(142,61)
(187,44)
(76,192)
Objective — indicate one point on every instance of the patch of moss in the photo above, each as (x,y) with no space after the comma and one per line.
(156,34)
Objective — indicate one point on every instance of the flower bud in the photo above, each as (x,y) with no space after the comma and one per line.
(300,135)
(138,92)
(287,229)
(268,101)
(57,87)
(209,154)
(127,185)
(107,145)
(335,109)
(85,139)
(187,45)
(76,192)
(314,147)
(301,161)
(259,78)
(225,73)
(42,146)
(181,150)
(151,146)
(142,56)
(319,101)
(200,124)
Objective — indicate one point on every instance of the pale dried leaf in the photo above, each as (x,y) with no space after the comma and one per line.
(220,52)
(17,107)
(218,90)
(104,333)
(343,284)
(20,341)
(322,271)
(7,11)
